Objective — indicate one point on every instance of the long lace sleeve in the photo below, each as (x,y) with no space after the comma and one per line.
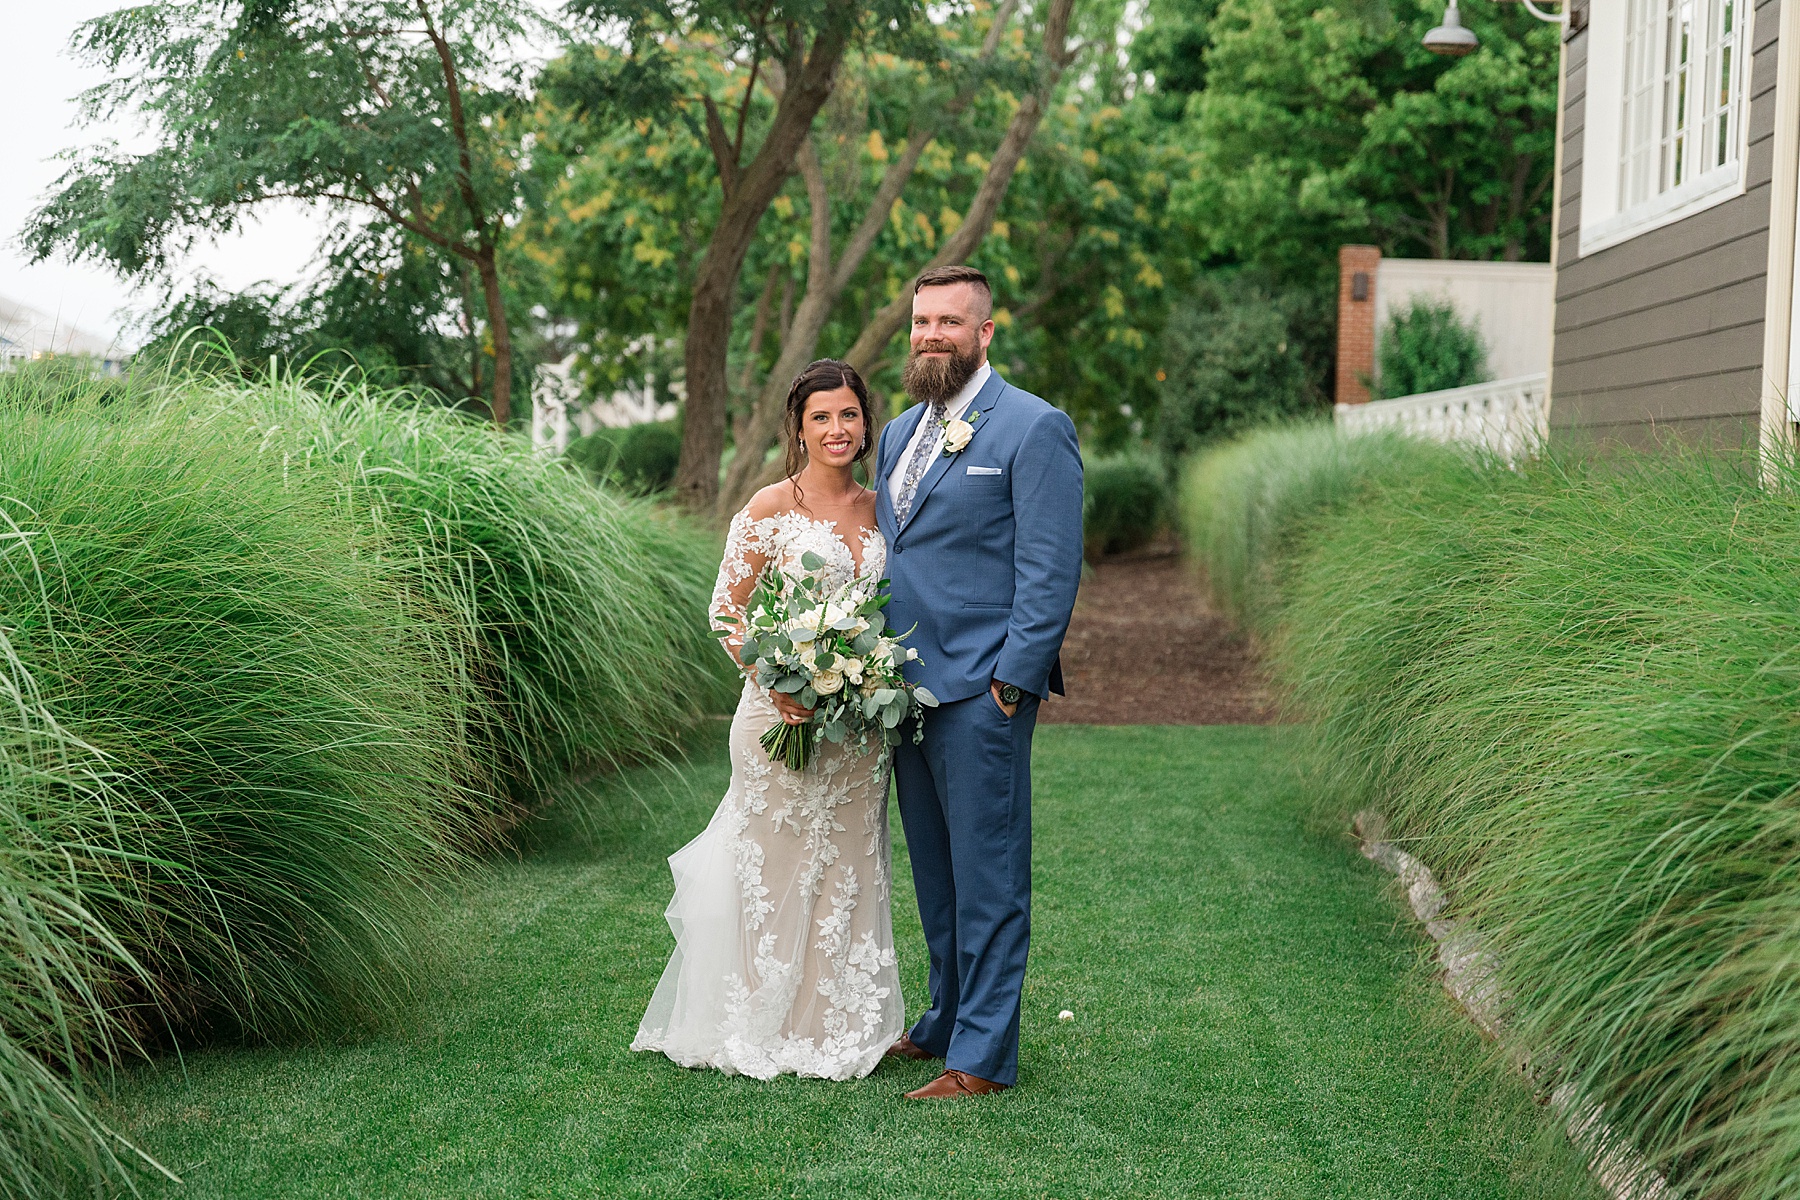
(747,554)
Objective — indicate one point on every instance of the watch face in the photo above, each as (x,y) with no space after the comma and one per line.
(1009,694)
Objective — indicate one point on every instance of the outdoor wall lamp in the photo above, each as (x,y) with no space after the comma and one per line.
(1452,40)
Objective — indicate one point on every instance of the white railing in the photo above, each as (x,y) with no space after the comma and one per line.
(1510,417)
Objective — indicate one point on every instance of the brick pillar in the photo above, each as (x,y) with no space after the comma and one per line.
(1357,267)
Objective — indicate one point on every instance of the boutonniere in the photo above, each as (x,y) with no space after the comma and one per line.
(958,432)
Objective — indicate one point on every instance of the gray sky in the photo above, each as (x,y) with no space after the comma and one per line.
(37,90)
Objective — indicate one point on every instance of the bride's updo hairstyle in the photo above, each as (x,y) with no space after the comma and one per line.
(825,375)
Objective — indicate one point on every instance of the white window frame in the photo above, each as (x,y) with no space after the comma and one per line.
(1607,216)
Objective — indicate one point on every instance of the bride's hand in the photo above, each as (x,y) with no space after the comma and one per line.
(790,709)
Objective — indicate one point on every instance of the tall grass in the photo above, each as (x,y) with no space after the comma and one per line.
(1575,691)
(272,667)
(586,608)
(1244,503)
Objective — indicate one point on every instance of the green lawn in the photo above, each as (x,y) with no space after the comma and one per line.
(1252,1018)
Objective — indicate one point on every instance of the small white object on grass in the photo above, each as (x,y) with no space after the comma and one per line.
(1065,1015)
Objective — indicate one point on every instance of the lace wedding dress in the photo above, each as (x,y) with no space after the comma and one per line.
(784,944)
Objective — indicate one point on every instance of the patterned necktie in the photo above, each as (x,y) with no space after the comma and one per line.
(921,458)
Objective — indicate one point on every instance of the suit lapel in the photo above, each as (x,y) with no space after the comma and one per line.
(940,466)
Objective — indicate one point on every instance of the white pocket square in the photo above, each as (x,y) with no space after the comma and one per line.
(985,471)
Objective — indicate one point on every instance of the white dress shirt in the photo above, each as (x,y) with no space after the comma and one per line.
(958,405)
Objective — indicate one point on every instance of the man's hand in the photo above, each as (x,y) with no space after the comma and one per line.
(1011,710)
(789,708)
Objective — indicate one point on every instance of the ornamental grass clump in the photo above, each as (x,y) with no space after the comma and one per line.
(1575,692)
(1244,503)
(586,610)
(232,758)
(273,667)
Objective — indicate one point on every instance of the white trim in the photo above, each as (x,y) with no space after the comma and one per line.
(1603,224)
(1677,204)
(1779,310)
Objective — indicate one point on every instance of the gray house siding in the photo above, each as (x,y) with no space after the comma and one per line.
(1665,331)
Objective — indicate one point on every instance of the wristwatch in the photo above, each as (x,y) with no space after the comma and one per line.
(1010,693)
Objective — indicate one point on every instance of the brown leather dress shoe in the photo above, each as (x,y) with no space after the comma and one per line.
(907,1048)
(953,1084)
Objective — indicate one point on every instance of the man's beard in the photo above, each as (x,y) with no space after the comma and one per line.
(936,380)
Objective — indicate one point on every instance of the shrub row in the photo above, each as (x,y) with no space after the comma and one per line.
(272,666)
(1125,503)
(1574,689)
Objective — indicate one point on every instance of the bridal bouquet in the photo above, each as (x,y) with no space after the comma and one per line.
(829,649)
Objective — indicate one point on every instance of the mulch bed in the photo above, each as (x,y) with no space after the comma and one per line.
(1146,647)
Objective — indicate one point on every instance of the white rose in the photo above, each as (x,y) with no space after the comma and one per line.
(852,669)
(827,683)
(956,435)
(912,655)
(882,655)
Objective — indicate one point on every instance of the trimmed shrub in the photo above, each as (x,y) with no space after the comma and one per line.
(1427,347)
(1573,689)
(641,459)
(1124,504)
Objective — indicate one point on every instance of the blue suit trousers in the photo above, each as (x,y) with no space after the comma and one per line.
(965,803)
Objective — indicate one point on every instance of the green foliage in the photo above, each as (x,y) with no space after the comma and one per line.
(1426,347)
(1324,123)
(398,116)
(1287,965)
(389,309)
(268,661)
(1124,505)
(1239,352)
(233,762)
(1245,504)
(639,459)
(1087,263)
(586,610)
(1572,690)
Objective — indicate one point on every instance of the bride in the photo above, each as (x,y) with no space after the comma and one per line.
(784,947)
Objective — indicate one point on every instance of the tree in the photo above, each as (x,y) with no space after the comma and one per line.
(391,110)
(898,170)
(797,51)
(1237,354)
(1321,123)
(830,270)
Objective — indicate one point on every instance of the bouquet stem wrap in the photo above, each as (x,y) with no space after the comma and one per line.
(790,744)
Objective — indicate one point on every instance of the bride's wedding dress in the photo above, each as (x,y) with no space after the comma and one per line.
(784,945)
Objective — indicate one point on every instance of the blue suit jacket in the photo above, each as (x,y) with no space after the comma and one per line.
(988,560)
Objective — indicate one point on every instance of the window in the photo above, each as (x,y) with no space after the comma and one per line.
(1665,114)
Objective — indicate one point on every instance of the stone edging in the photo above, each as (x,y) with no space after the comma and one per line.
(1469,976)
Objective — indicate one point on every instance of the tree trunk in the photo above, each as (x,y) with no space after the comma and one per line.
(715,282)
(489,270)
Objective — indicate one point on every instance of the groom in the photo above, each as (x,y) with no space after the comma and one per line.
(978,492)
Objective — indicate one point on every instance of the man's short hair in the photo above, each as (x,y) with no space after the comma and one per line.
(944,276)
